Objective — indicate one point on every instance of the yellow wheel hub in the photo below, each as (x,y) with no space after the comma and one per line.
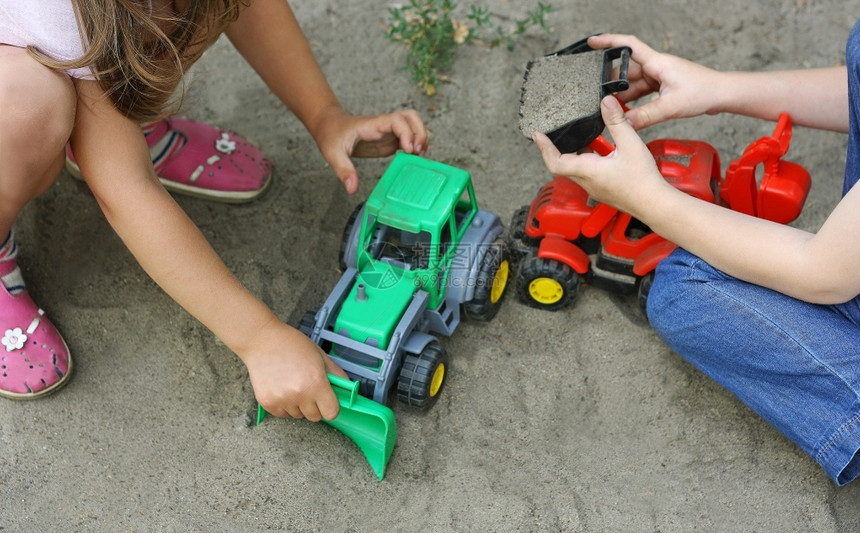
(438,378)
(500,281)
(546,290)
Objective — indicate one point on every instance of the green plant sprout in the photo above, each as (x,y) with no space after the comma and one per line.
(432,35)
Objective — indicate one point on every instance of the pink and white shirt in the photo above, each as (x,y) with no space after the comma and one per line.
(48,25)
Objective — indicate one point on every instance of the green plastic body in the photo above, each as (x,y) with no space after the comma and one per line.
(370,425)
(385,304)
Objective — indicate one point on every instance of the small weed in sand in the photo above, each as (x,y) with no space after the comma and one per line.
(432,34)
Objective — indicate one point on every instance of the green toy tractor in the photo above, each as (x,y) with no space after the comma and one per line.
(418,256)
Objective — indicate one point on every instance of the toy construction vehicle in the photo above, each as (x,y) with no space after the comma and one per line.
(563,237)
(417,256)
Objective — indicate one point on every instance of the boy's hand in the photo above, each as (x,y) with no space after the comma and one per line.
(623,179)
(341,136)
(683,88)
(288,373)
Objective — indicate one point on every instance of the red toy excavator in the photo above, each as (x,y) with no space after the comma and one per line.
(563,237)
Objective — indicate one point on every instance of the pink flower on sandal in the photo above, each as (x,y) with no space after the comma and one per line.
(14,339)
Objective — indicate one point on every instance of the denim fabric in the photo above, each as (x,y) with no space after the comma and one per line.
(852,60)
(796,364)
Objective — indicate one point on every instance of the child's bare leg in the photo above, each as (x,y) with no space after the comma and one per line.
(38,113)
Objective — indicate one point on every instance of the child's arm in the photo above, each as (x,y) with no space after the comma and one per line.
(816,98)
(287,370)
(819,268)
(271,40)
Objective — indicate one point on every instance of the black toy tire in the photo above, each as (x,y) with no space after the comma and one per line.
(422,376)
(537,273)
(490,284)
(347,233)
(306,324)
(644,290)
(519,241)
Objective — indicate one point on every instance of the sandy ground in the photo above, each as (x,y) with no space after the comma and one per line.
(580,420)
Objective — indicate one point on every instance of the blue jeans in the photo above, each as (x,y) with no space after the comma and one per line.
(796,364)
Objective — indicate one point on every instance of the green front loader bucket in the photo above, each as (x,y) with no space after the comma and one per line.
(369,424)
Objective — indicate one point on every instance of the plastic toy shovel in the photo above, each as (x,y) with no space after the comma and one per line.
(369,424)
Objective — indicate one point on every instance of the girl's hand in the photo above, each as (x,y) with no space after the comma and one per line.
(341,136)
(624,179)
(288,373)
(684,89)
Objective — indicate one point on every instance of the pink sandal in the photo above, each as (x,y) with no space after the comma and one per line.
(205,162)
(34,358)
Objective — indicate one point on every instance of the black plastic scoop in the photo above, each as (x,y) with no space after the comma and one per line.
(562,91)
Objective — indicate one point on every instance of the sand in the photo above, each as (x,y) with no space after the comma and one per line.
(579,420)
(560,89)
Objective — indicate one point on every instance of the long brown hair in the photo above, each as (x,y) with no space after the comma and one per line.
(138,64)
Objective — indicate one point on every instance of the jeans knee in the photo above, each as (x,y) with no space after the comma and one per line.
(676,283)
(658,301)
